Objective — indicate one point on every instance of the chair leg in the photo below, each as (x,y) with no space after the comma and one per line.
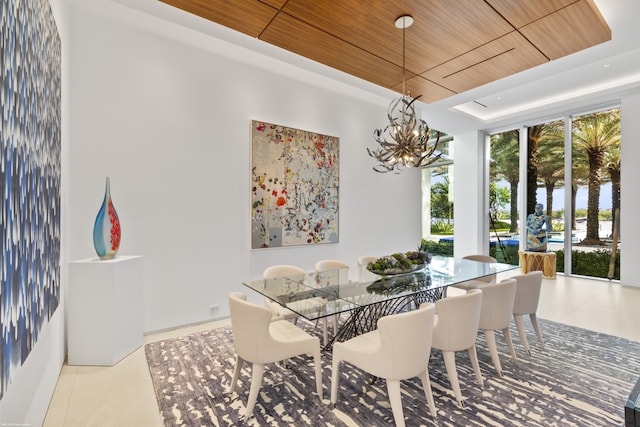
(523,335)
(318,368)
(335,378)
(473,355)
(256,383)
(236,373)
(393,389)
(426,385)
(325,334)
(507,338)
(493,349)
(450,364)
(534,321)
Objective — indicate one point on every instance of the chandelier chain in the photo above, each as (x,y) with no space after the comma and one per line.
(404,142)
(404,31)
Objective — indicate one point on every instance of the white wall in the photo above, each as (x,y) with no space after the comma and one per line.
(168,120)
(630,203)
(469,199)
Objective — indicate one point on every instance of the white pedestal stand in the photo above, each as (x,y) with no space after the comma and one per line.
(105,310)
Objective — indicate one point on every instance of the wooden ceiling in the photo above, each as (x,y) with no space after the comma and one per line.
(452,46)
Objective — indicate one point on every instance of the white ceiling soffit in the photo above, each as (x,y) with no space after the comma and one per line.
(599,81)
(596,75)
(592,76)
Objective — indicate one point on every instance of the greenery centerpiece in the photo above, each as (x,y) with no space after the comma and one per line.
(400,263)
(399,284)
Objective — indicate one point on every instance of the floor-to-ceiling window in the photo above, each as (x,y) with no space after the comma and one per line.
(437,199)
(504,180)
(545,179)
(572,167)
(595,195)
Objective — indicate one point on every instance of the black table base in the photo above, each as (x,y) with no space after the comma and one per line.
(365,319)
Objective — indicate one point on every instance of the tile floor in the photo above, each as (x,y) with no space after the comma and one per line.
(123,396)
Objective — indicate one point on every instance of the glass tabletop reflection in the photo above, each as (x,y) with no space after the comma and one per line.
(318,294)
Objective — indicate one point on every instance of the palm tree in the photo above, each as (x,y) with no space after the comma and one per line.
(505,165)
(612,165)
(595,134)
(551,166)
(579,178)
(441,206)
(536,134)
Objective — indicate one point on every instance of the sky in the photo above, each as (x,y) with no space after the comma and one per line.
(581,197)
(558,196)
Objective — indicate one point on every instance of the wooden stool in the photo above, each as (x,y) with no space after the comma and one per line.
(538,261)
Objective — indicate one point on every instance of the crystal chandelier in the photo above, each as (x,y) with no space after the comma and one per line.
(404,142)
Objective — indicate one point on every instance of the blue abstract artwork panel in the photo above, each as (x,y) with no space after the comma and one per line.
(30,140)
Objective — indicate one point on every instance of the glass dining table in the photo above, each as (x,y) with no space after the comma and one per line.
(361,297)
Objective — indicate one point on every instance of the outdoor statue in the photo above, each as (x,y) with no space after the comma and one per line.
(538,225)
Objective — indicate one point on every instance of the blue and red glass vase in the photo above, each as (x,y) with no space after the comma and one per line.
(106,230)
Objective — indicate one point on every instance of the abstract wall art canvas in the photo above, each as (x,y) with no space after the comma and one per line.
(30,138)
(294,186)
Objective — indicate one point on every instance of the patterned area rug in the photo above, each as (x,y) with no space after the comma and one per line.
(579,378)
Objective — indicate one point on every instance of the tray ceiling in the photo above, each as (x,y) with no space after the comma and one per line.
(453,45)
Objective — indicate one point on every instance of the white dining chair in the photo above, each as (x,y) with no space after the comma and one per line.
(366,259)
(363,261)
(526,302)
(495,315)
(384,353)
(456,329)
(280,312)
(342,269)
(471,284)
(259,341)
(330,264)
